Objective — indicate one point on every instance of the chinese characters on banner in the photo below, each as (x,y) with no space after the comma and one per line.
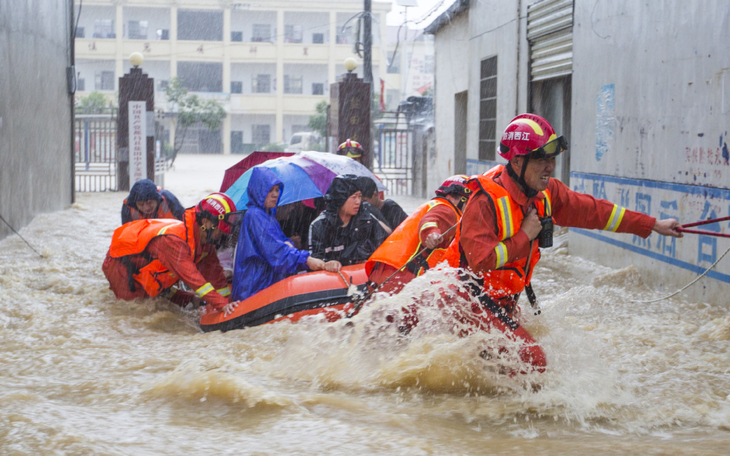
(137,141)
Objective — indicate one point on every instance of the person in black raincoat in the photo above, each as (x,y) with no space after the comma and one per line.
(345,232)
(147,201)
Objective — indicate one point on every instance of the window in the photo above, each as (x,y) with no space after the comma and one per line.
(163,34)
(394,65)
(261,33)
(261,134)
(292,33)
(200,25)
(79,32)
(236,36)
(104,28)
(261,83)
(428,64)
(292,84)
(104,80)
(80,84)
(318,38)
(201,77)
(295,140)
(317,88)
(163,84)
(236,142)
(137,30)
(488,109)
(236,87)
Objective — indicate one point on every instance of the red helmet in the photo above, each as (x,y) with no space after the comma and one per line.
(219,209)
(350,148)
(455,185)
(530,134)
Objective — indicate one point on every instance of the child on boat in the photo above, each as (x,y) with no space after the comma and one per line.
(264,255)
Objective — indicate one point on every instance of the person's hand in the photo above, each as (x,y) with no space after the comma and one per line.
(332,266)
(315,264)
(228,308)
(196,301)
(668,227)
(432,240)
(531,224)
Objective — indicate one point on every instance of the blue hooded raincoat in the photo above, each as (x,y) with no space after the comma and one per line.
(263,255)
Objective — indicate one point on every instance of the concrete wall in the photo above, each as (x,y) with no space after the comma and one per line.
(651,115)
(35,110)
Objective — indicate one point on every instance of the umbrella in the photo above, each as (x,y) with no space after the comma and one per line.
(255,158)
(305,175)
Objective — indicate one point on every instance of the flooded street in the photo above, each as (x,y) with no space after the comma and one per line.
(83,373)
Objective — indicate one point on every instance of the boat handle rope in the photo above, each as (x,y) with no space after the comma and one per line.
(683,229)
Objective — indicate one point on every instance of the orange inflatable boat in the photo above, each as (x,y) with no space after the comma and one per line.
(293,298)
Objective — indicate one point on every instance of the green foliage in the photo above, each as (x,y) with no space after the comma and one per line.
(93,103)
(191,110)
(274,147)
(318,122)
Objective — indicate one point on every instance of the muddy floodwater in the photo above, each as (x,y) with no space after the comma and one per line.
(83,373)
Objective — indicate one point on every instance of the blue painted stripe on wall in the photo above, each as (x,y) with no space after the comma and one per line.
(656,256)
(712,192)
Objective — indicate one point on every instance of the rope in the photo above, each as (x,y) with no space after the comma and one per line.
(689,284)
(21,237)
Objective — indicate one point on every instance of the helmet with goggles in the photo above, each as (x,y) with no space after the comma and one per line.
(220,209)
(530,134)
(455,185)
(351,149)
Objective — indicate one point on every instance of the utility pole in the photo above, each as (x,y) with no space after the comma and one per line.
(368,45)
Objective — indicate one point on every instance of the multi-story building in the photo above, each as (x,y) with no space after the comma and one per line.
(269,63)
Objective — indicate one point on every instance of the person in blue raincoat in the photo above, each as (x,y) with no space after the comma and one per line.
(264,255)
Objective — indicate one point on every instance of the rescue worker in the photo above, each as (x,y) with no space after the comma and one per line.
(264,255)
(391,212)
(511,213)
(352,149)
(345,232)
(148,257)
(432,226)
(148,201)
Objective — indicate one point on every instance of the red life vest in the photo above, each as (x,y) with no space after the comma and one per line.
(163,211)
(403,244)
(132,239)
(507,279)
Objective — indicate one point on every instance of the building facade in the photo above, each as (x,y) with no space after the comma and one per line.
(640,90)
(269,63)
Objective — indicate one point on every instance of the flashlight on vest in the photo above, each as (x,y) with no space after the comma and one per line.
(545,238)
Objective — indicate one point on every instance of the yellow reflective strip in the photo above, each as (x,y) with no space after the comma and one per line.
(504,210)
(162,231)
(610,219)
(205,289)
(619,218)
(224,291)
(222,201)
(428,225)
(501,251)
(548,204)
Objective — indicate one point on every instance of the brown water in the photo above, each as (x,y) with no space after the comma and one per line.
(82,373)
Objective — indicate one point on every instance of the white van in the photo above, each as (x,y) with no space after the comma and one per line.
(302,141)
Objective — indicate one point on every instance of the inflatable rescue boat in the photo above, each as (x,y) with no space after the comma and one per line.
(293,298)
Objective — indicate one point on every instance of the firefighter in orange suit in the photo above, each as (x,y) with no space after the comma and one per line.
(511,213)
(429,227)
(148,257)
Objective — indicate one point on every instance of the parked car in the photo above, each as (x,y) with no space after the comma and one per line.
(303,141)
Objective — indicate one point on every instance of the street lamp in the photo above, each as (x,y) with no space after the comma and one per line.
(350,64)
(136,59)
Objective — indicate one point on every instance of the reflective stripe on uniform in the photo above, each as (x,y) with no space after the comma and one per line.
(205,289)
(224,291)
(506,212)
(617,214)
(548,204)
(501,251)
(221,200)
(428,225)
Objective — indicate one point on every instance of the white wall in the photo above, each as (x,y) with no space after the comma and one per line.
(157,18)
(310,74)
(244,122)
(87,69)
(91,13)
(310,22)
(243,21)
(245,72)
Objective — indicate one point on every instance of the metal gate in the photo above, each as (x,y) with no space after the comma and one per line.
(95,156)
(394,162)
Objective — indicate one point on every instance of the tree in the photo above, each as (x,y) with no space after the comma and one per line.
(93,103)
(318,122)
(190,110)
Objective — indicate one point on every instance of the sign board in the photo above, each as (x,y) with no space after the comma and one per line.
(137,141)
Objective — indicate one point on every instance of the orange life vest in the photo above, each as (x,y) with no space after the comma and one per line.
(163,211)
(506,279)
(132,239)
(403,244)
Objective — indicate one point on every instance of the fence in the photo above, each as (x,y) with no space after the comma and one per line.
(95,154)
(393,163)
